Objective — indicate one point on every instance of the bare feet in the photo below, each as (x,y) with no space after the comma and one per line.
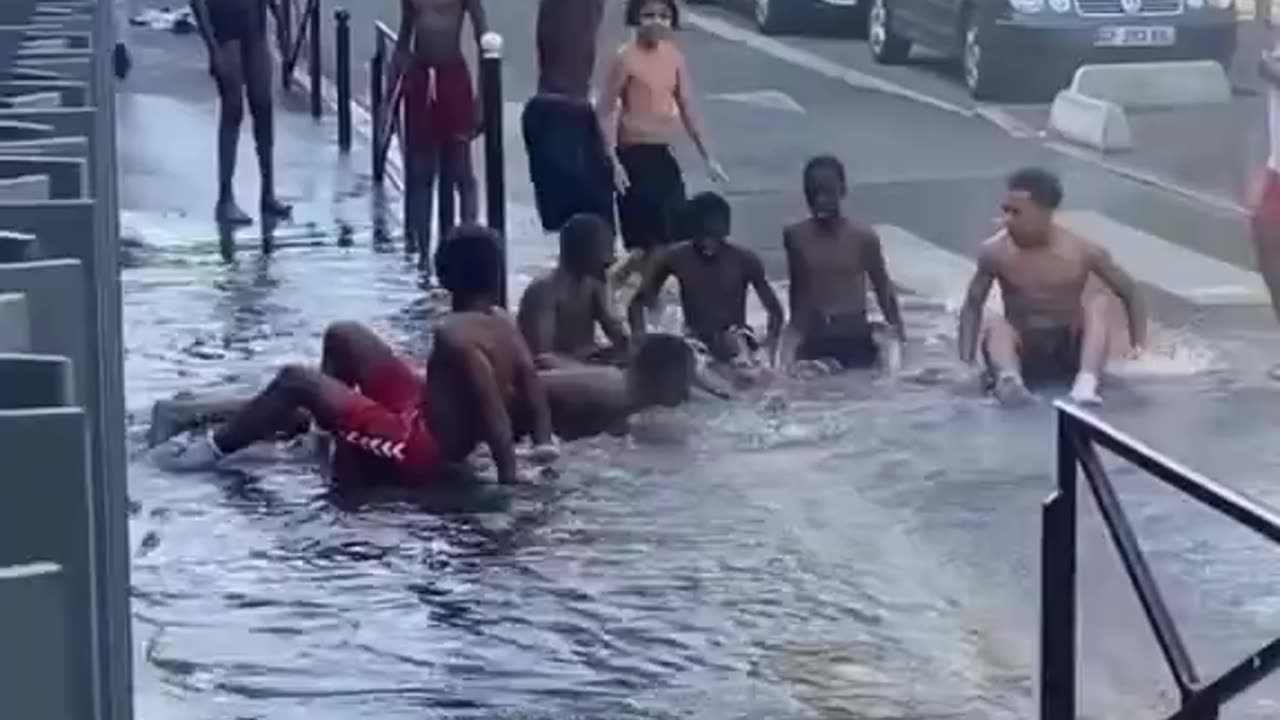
(1011,392)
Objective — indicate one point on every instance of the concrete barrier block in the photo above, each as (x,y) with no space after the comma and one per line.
(1155,84)
(24,188)
(79,69)
(36,653)
(35,381)
(15,323)
(1099,124)
(71,93)
(55,292)
(62,226)
(46,515)
(17,246)
(50,99)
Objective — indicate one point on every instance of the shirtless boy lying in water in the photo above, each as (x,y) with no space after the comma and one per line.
(1050,331)
(559,311)
(830,259)
(391,424)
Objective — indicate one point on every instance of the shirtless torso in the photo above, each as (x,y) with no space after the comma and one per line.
(566,37)
(436,27)
(1042,287)
(649,82)
(465,344)
(713,291)
(829,264)
(558,317)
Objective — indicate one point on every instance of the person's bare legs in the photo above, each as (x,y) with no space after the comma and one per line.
(1095,338)
(258,89)
(275,409)
(230,82)
(351,351)
(1000,351)
(458,157)
(424,167)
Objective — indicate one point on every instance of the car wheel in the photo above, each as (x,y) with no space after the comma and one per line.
(773,16)
(980,64)
(887,46)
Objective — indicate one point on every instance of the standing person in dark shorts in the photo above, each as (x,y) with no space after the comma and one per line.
(442,116)
(830,259)
(235,34)
(647,97)
(391,424)
(568,161)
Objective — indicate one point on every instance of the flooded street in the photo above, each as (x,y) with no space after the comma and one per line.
(869,551)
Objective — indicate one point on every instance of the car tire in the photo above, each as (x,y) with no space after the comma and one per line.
(887,46)
(774,17)
(981,67)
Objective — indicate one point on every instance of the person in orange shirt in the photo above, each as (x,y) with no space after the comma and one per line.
(646,100)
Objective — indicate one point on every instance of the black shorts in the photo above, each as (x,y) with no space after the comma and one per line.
(648,210)
(1049,356)
(853,347)
(244,20)
(568,166)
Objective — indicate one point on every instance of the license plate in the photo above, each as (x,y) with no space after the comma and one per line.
(1136,36)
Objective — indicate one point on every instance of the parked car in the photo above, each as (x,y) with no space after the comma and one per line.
(776,17)
(1005,46)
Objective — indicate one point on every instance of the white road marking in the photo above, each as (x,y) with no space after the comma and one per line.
(812,62)
(1194,277)
(771,99)
(928,269)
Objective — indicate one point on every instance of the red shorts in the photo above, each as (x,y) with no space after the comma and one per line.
(1267,208)
(381,427)
(439,103)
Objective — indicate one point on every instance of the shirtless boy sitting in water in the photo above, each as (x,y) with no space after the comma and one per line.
(1050,331)
(830,258)
(714,276)
(559,311)
(390,424)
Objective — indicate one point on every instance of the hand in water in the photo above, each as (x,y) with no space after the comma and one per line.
(716,172)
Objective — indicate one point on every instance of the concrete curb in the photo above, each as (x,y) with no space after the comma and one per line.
(1098,124)
(1091,112)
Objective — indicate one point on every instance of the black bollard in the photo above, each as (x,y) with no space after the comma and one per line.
(494,163)
(313,57)
(342,47)
(377,69)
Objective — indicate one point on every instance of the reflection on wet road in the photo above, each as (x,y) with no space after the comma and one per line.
(869,551)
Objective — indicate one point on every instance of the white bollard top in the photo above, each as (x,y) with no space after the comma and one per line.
(491,44)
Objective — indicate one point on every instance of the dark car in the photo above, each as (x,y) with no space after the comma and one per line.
(775,17)
(1034,46)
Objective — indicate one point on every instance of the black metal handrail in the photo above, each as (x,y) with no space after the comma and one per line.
(386,97)
(1079,434)
(290,39)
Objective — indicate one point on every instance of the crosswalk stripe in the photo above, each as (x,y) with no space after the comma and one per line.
(928,269)
(1194,277)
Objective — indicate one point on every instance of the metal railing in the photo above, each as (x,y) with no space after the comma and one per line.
(65,641)
(290,38)
(1079,436)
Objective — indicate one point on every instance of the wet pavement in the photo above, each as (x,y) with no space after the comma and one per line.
(870,551)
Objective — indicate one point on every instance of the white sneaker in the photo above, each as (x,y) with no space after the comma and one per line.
(181,455)
(1085,390)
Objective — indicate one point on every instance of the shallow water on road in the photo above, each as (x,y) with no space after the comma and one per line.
(868,551)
